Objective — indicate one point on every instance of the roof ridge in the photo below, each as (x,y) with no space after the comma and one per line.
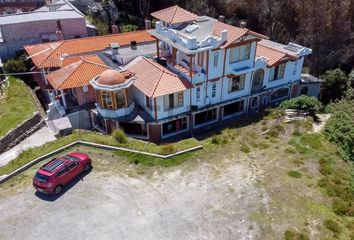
(174,13)
(98,64)
(81,62)
(61,42)
(157,83)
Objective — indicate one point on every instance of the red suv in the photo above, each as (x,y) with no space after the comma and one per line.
(53,176)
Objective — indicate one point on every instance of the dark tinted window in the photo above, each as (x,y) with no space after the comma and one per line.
(74,159)
(62,172)
(71,166)
(41,177)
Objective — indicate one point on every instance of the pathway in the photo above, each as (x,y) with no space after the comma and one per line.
(39,138)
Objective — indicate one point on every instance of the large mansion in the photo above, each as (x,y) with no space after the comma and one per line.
(187,74)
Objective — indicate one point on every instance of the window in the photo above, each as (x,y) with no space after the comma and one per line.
(1,37)
(234,108)
(205,117)
(148,102)
(295,67)
(241,53)
(173,100)
(237,83)
(174,126)
(197,94)
(213,90)
(279,94)
(216,59)
(120,98)
(255,102)
(62,172)
(304,91)
(257,83)
(201,58)
(277,72)
(71,166)
(107,100)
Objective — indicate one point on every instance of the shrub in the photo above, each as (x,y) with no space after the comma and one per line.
(325,169)
(119,136)
(340,207)
(15,66)
(295,174)
(128,28)
(216,139)
(168,149)
(244,148)
(332,225)
(302,103)
(295,235)
(340,127)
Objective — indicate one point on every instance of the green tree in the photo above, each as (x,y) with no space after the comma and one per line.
(15,66)
(335,86)
(128,28)
(340,127)
(302,103)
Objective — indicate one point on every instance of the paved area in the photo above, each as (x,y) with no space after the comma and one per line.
(39,138)
(204,202)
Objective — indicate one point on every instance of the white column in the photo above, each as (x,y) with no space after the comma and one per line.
(63,98)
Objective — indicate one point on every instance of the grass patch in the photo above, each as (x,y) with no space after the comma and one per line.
(149,161)
(295,174)
(245,148)
(168,149)
(295,235)
(33,153)
(16,107)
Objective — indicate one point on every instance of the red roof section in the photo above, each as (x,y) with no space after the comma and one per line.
(154,80)
(174,14)
(234,33)
(46,55)
(76,74)
(272,55)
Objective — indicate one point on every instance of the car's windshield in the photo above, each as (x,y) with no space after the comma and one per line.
(71,158)
(41,177)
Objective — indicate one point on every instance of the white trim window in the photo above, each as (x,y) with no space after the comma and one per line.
(216,59)
(277,72)
(240,53)
(213,90)
(197,94)
(237,83)
(173,100)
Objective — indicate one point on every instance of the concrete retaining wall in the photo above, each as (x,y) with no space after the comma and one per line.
(4,178)
(20,132)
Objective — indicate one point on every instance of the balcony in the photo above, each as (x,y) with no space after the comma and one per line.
(108,113)
(182,69)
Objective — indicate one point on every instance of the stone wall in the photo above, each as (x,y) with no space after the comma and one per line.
(22,131)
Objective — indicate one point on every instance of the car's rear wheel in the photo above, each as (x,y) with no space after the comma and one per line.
(87,167)
(58,189)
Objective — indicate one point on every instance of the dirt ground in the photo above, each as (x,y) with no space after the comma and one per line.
(238,187)
(195,201)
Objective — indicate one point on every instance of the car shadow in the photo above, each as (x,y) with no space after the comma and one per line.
(54,197)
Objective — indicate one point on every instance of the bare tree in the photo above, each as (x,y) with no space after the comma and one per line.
(144,7)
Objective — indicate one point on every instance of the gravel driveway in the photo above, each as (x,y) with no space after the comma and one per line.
(204,201)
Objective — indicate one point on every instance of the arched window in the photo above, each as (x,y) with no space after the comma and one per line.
(304,91)
(258,80)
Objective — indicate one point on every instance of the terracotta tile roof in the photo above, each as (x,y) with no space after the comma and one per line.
(90,58)
(272,55)
(154,80)
(45,55)
(76,74)
(234,33)
(174,14)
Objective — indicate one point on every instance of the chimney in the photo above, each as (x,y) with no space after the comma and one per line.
(114,49)
(60,35)
(147,24)
(133,45)
(243,24)
(221,18)
(115,29)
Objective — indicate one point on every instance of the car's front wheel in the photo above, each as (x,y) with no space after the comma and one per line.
(87,167)
(58,189)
